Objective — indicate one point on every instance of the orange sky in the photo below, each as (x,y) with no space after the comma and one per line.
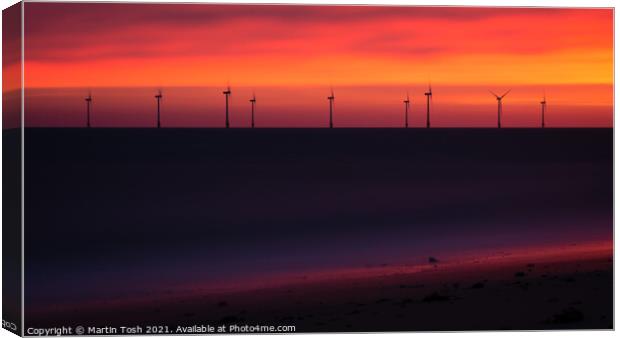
(291,55)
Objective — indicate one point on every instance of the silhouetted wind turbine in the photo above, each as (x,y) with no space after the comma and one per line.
(429,97)
(331,109)
(406,102)
(88,100)
(227,93)
(499,107)
(253,102)
(158,97)
(543,105)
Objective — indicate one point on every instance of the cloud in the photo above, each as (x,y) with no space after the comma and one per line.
(73,32)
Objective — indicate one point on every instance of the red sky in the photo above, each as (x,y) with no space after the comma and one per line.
(291,55)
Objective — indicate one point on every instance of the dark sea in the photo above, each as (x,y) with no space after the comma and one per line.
(122,213)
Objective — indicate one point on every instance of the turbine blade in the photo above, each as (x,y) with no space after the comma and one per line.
(506,93)
(497,96)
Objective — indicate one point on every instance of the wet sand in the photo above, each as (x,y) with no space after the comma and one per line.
(560,287)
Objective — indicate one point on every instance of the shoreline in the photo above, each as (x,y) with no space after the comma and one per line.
(513,272)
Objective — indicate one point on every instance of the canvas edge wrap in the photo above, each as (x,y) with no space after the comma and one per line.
(12,169)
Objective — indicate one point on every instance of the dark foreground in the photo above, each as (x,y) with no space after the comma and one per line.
(119,216)
(554,288)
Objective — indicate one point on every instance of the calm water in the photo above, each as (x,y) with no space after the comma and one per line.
(114,213)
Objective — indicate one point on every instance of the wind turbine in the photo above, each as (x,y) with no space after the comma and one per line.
(406,102)
(429,98)
(253,102)
(499,107)
(88,100)
(543,105)
(227,93)
(158,97)
(331,109)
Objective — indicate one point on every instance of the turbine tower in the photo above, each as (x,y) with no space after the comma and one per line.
(499,107)
(227,93)
(429,98)
(253,102)
(406,102)
(158,97)
(543,105)
(331,109)
(88,100)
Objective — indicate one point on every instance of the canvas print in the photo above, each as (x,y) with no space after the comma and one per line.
(254,168)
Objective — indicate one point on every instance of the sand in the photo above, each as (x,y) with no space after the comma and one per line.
(559,287)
